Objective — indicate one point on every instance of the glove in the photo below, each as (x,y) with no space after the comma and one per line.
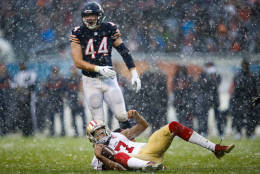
(136,82)
(106,71)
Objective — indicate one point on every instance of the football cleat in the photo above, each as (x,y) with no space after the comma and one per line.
(220,151)
(152,166)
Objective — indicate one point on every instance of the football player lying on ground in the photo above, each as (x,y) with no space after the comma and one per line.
(116,151)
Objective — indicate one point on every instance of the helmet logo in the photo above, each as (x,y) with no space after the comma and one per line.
(88,11)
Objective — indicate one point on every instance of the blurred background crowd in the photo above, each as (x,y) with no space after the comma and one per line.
(38,81)
(37,27)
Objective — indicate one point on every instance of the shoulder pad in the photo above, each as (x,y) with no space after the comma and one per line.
(115,31)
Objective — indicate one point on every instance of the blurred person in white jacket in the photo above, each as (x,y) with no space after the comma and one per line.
(24,83)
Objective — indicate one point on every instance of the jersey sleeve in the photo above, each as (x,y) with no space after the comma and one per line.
(115,32)
(74,37)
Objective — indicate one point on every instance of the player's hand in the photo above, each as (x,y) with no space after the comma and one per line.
(106,71)
(136,82)
(118,166)
(132,114)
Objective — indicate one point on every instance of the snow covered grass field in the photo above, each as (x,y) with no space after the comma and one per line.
(73,155)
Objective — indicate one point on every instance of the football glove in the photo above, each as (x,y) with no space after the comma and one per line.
(106,71)
(136,82)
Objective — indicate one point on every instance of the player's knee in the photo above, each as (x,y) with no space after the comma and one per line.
(121,117)
(180,130)
(174,126)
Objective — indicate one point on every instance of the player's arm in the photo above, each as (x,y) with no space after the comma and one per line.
(124,52)
(78,58)
(109,164)
(141,125)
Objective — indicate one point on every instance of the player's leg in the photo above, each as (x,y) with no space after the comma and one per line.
(160,141)
(84,120)
(135,163)
(61,114)
(220,121)
(157,144)
(191,136)
(51,119)
(113,96)
(94,97)
(73,120)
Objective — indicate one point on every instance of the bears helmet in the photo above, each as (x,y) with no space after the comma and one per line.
(92,8)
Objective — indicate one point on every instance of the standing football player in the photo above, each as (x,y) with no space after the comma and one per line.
(136,155)
(91,47)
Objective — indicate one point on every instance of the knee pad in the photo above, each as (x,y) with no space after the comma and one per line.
(121,117)
(95,101)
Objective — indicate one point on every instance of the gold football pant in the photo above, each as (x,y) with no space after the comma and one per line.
(157,144)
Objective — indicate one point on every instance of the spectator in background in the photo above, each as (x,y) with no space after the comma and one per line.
(24,82)
(182,93)
(41,111)
(200,100)
(188,31)
(213,85)
(172,34)
(4,98)
(245,89)
(155,38)
(6,50)
(55,89)
(222,36)
(154,97)
(208,21)
(75,100)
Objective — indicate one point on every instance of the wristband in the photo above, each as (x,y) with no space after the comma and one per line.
(96,68)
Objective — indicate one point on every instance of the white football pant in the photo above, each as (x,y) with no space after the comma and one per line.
(97,90)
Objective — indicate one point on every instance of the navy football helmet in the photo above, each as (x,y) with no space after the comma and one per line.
(92,8)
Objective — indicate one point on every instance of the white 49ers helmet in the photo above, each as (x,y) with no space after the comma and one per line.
(92,127)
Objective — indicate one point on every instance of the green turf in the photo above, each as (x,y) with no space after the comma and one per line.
(73,155)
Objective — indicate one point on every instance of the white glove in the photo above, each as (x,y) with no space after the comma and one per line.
(106,71)
(136,82)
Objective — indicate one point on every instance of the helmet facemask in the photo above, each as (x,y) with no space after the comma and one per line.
(92,23)
(104,139)
(91,9)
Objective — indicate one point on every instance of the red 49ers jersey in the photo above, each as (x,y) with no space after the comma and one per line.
(96,44)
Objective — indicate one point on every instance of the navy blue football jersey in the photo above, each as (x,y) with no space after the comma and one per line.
(96,44)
